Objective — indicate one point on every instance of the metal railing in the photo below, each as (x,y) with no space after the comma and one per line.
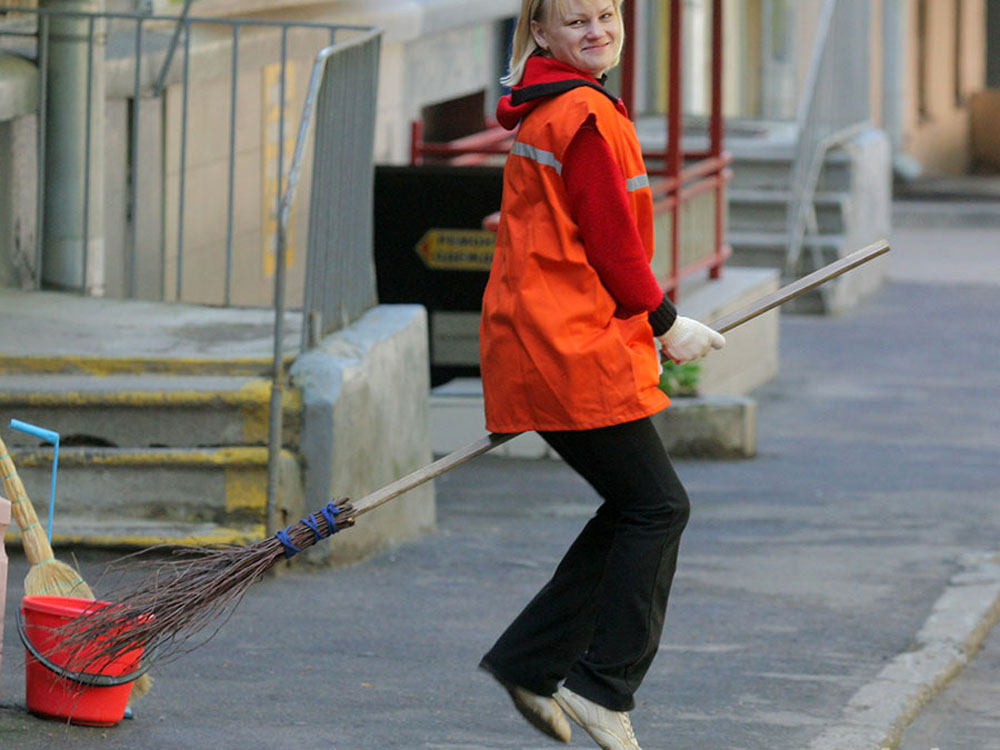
(340,274)
(205,108)
(334,142)
(689,187)
(835,105)
(690,199)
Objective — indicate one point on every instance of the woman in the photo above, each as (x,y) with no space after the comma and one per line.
(570,314)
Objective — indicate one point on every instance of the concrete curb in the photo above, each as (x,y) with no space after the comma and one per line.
(877,714)
(721,427)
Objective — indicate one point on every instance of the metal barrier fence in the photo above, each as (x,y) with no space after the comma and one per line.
(835,106)
(182,130)
(340,274)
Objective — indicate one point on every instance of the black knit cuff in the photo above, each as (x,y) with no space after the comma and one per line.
(663,317)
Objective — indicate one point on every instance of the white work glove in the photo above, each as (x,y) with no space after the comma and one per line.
(688,339)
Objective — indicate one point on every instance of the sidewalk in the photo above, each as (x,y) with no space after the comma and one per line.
(804,573)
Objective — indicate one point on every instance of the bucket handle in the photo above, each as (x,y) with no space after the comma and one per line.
(84,678)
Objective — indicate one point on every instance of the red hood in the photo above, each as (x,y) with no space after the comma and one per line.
(540,70)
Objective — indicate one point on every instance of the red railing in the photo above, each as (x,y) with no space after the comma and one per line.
(686,174)
(683,176)
(468,150)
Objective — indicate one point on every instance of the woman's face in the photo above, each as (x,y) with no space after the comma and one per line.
(586,35)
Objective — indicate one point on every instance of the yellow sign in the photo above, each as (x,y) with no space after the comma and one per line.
(457,249)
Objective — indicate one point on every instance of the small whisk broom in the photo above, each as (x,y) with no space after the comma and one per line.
(186,595)
(47,576)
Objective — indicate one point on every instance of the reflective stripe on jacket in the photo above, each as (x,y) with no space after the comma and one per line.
(553,354)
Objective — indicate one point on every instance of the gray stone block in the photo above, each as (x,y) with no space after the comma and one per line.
(366,423)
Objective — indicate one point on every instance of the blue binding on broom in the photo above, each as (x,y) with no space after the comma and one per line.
(329,513)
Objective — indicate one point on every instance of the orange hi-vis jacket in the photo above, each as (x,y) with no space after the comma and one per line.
(553,355)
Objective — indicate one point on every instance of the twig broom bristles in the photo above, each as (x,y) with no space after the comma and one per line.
(185,596)
(47,576)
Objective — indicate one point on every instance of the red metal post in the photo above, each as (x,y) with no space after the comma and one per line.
(416,141)
(675,134)
(716,137)
(628,64)
(717,52)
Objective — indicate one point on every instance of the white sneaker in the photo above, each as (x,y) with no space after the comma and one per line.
(611,730)
(541,712)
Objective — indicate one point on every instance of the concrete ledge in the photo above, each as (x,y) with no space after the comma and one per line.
(750,357)
(703,426)
(709,427)
(365,423)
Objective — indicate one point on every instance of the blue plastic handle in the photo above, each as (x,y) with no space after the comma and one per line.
(50,437)
(41,432)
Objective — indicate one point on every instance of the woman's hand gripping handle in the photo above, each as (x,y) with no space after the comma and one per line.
(687,340)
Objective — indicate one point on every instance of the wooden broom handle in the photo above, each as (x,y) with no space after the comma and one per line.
(21,507)
(439,467)
(803,285)
(726,323)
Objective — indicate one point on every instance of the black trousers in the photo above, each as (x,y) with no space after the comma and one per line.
(597,623)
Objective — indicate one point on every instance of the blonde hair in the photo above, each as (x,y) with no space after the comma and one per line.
(524,45)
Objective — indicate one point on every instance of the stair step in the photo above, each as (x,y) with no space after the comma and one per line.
(147,410)
(755,209)
(774,245)
(138,533)
(221,486)
(769,250)
(58,332)
(42,364)
(771,170)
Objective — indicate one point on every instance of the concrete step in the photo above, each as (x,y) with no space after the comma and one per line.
(146,410)
(769,249)
(752,209)
(142,533)
(765,249)
(761,249)
(162,495)
(57,332)
(14,363)
(770,169)
(703,427)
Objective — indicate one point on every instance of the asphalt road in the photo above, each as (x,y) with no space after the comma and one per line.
(803,571)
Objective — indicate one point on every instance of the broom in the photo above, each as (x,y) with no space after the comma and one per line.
(47,576)
(184,596)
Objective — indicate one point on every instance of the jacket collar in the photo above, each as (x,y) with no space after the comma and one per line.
(544,78)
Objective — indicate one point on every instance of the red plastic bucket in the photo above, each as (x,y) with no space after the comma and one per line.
(57,690)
